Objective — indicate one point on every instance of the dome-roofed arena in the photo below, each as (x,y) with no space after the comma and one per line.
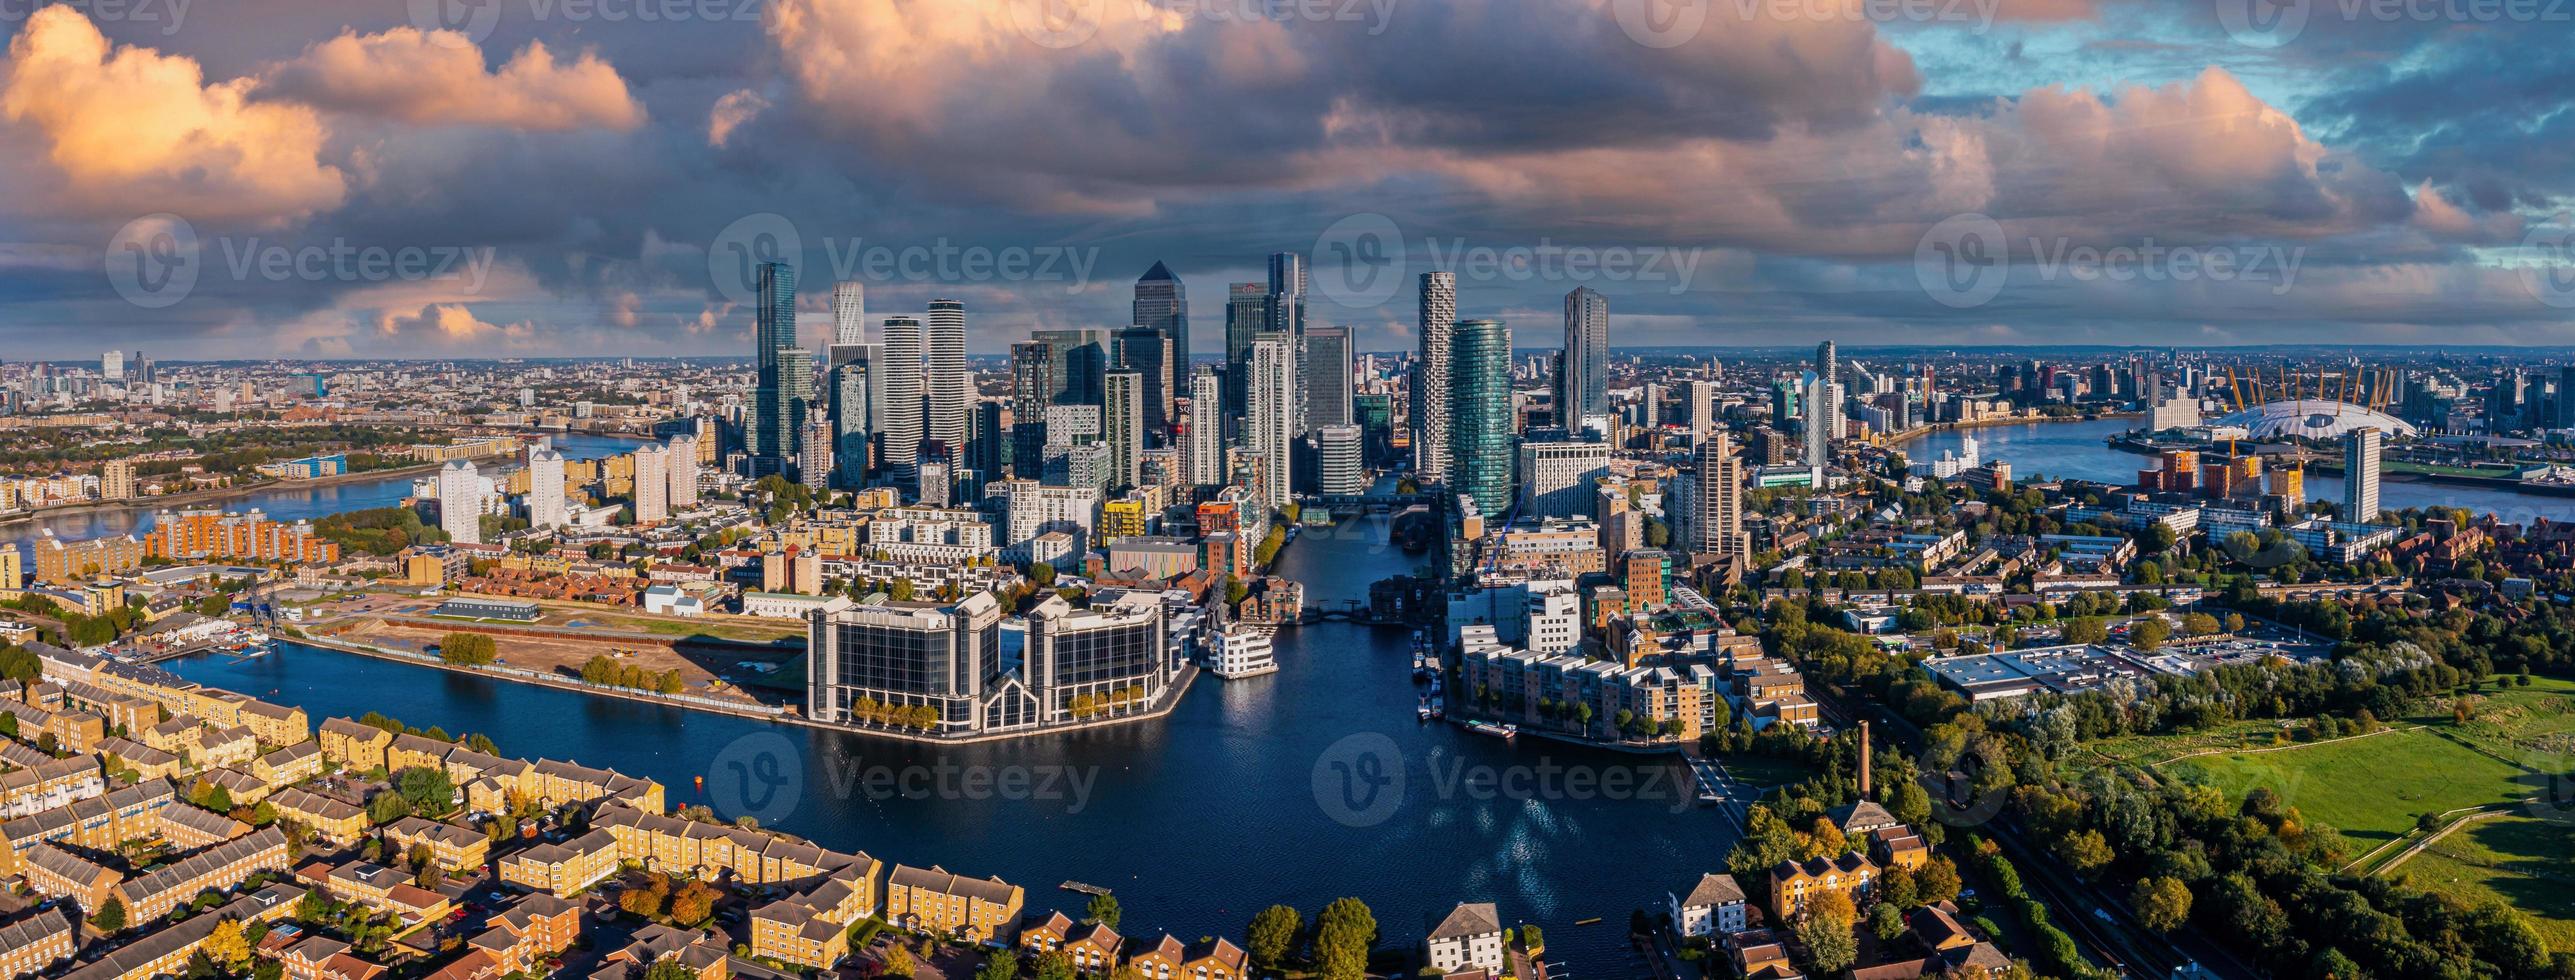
(2312,418)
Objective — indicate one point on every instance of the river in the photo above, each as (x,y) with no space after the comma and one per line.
(283,503)
(1235,801)
(2079,450)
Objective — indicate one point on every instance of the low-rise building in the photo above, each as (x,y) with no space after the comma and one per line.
(451,848)
(936,900)
(563,869)
(1468,938)
(32,943)
(215,868)
(1713,907)
(332,819)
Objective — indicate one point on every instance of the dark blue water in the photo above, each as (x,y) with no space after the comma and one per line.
(1197,820)
(2078,450)
(287,503)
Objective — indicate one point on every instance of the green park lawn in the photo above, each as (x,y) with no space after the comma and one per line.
(2526,861)
(2371,788)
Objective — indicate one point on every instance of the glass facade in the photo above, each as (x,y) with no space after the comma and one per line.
(1480,414)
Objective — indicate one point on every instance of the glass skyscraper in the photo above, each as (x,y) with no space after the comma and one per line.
(772,419)
(1479,414)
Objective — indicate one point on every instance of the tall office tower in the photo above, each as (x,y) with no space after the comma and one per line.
(951,388)
(898,400)
(851,387)
(1825,367)
(1699,407)
(814,454)
(652,494)
(2566,397)
(1327,377)
(1122,421)
(1205,458)
(1716,523)
(1582,388)
(849,313)
(1076,359)
(1338,458)
(1431,376)
(772,433)
(682,462)
(795,396)
(460,502)
(1480,416)
(1161,303)
(1147,351)
(1032,387)
(1823,425)
(1286,306)
(545,488)
(1246,316)
(1269,427)
(111,365)
(2360,476)
(988,449)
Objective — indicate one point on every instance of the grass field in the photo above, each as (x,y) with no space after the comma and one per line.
(2372,788)
(2527,861)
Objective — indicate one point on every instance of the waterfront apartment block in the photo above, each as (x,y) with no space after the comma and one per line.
(76,731)
(216,868)
(99,823)
(193,534)
(146,762)
(374,886)
(491,782)
(332,819)
(1714,907)
(563,869)
(68,563)
(451,848)
(33,942)
(1213,958)
(355,746)
(934,900)
(1468,938)
(810,928)
(268,723)
(671,844)
(48,784)
(288,766)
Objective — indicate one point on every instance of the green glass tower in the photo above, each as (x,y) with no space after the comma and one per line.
(1479,427)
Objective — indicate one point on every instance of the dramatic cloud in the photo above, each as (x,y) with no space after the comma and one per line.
(730,112)
(133,129)
(440,78)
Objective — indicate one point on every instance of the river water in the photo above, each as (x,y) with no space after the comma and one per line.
(1306,785)
(2078,450)
(285,503)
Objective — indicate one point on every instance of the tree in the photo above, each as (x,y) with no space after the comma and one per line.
(111,915)
(2085,852)
(1000,964)
(693,905)
(1829,943)
(1272,933)
(228,947)
(1343,935)
(1885,922)
(1055,965)
(1103,909)
(2162,904)
(1937,881)
(468,649)
(670,968)
(387,807)
(2089,629)
(1532,938)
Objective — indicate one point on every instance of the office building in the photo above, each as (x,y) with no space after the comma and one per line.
(1480,415)
(1582,385)
(1032,390)
(897,379)
(545,488)
(460,502)
(1558,479)
(1122,419)
(1246,317)
(1204,452)
(1823,423)
(1430,389)
(1147,352)
(920,668)
(1083,664)
(772,429)
(1340,457)
(2360,475)
(1162,304)
(1327,377)
(849,313)
(1269,424)
(951,388)
(851,387)
(1075,360)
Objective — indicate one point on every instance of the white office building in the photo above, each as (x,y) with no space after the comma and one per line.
(1556,478)
(2360,476)
(1342,466)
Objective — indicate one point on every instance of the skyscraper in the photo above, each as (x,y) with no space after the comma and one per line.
(1286,305)
(1032,389)
(1716,512)
(1327,377)
(951,388)
(2360,475)
(1269,427)
(1699,407)
(772,433)
(1162,304)
(1823,424)
(682,461)
(1147,351)
(1479,414)
(1825,366)
(1122,421)
(1204,455)
(1076,359)
(460,502)
(1582,389)
(1430,392)
(545,489)
(852,388)
(849,313)
(898,400)
(652,493)
(1246,316)
(1339,458)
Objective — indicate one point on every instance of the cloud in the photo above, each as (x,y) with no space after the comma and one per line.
(139,131)
(730,112)
(455,324)
(440,78)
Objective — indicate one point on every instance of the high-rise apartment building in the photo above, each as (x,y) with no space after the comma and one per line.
(1582,387)
(1716,504)
(1204,452)
(1480,416)
(1556,478)
(682,462)
(849,313)
(950,387)
(1340,459)
(772,429)
(1430,389)
(545,488)
(2360,475)
(1147,352)
(1122,419)
(652,496)
(460,501)
(898,400)
(1269,426)
(1327,377)
(852,390)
